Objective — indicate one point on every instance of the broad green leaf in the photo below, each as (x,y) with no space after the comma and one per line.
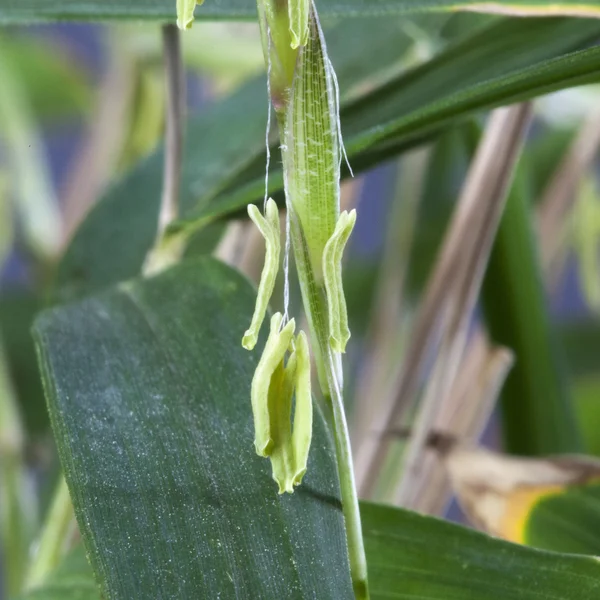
(224,165)
(72,580)
(412,557)
(567,520)
(27,11)
(149,395)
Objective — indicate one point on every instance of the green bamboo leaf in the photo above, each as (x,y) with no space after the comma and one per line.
(72,580)
(28,11)
(586,391)
(54,83)
(567,520)
(149,396)
(411,556)
(537,412)
(507,61)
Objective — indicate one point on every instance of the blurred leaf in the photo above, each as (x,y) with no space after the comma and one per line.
(411,556)
(552,503)
(537,411)
(145,122)
(585,237)
(53,82)
(72,580)
(149,395)
(586,395)
(567,520)
(6,219)
(581,340)
(17,511)
(31,185)
(224,165)
(17,311)
(545,151)
(549,503)
(27,11)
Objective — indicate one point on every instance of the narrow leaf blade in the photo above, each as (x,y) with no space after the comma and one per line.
(412,557)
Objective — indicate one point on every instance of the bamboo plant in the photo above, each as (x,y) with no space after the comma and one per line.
(207,442)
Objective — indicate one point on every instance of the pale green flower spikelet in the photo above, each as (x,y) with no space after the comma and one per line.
(270,230)
(339,333)
(304,94)
(311,150)
(303,90)
(273,387)
(185,12)
(268,381)
(303,413)
(298,12)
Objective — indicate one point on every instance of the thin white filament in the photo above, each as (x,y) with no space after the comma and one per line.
(286,266)
(342,148)
(268,158)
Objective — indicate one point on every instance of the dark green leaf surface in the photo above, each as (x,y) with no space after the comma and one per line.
(412,557)
(568,521)
(72,580)
(27,11)
(223,171)
(149,396)
(586,395)
(18,308)
(537,411)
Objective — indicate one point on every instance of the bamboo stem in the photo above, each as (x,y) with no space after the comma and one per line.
(167,249)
